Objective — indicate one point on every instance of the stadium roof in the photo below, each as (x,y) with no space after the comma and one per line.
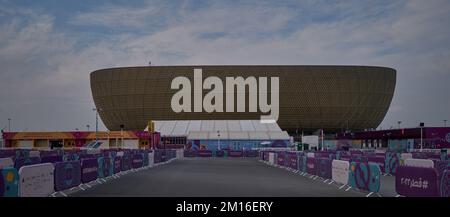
(227,129)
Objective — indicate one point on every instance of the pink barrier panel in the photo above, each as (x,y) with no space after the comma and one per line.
(291,160)
(204,153)
(234,153)
(416,182)
(310,165)
(281,158)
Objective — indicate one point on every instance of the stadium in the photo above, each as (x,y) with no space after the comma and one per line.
(332,98)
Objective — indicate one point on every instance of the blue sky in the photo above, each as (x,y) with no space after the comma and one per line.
(48,48)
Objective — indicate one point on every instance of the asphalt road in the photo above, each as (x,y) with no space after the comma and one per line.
(216,177)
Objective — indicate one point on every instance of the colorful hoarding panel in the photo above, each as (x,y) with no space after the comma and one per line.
(89,169)
(380,160)
(392,161)
(416,182)
(9,182)
(323,167)
(281,158)
(365,176)
(67,175)
(36,180)
(340,171)
(6,162)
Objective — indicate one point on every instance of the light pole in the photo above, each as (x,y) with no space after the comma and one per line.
(88,127)
(421,135)
(322,139)
(9,124)
(399,122)
(218,140)
(445,123)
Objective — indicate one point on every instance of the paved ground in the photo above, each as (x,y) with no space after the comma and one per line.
(232,177)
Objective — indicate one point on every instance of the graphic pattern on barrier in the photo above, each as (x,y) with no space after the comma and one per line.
(391,163)
(445,184)
(6,162)
(310,165)
(365,176)
(9,182)
(67,175)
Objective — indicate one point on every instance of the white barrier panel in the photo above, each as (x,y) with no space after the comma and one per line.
(34,154)
(151,160)
(119,153)
(36,180)
(180,153)
(340,171)
(6,162)
(406,155)
(426,163)
(93,151)
(310,154)
(271,157)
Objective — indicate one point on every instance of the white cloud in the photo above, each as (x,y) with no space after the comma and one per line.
(409,36)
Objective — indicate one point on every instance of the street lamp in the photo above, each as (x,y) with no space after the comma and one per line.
(445,123)
(9,124)
(88,127)
(399,122)
(421,135)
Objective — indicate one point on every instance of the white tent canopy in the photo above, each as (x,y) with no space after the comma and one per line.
(227,129)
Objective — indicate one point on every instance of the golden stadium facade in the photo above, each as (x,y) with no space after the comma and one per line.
(332,98)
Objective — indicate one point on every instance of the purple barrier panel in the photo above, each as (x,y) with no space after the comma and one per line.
(377,160)
(323,167)
(416,182)
(157,156)
(220,153)
(117,164)
(266,156)
(89,169)
(204,153)
(250,153)
(235,153)
(8,154)
(281,158)
(310,165)
(48,153)
(137,161)
(126,162)
(67,175)
(51,159)
(20,162)
(190,153)
(445,184)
